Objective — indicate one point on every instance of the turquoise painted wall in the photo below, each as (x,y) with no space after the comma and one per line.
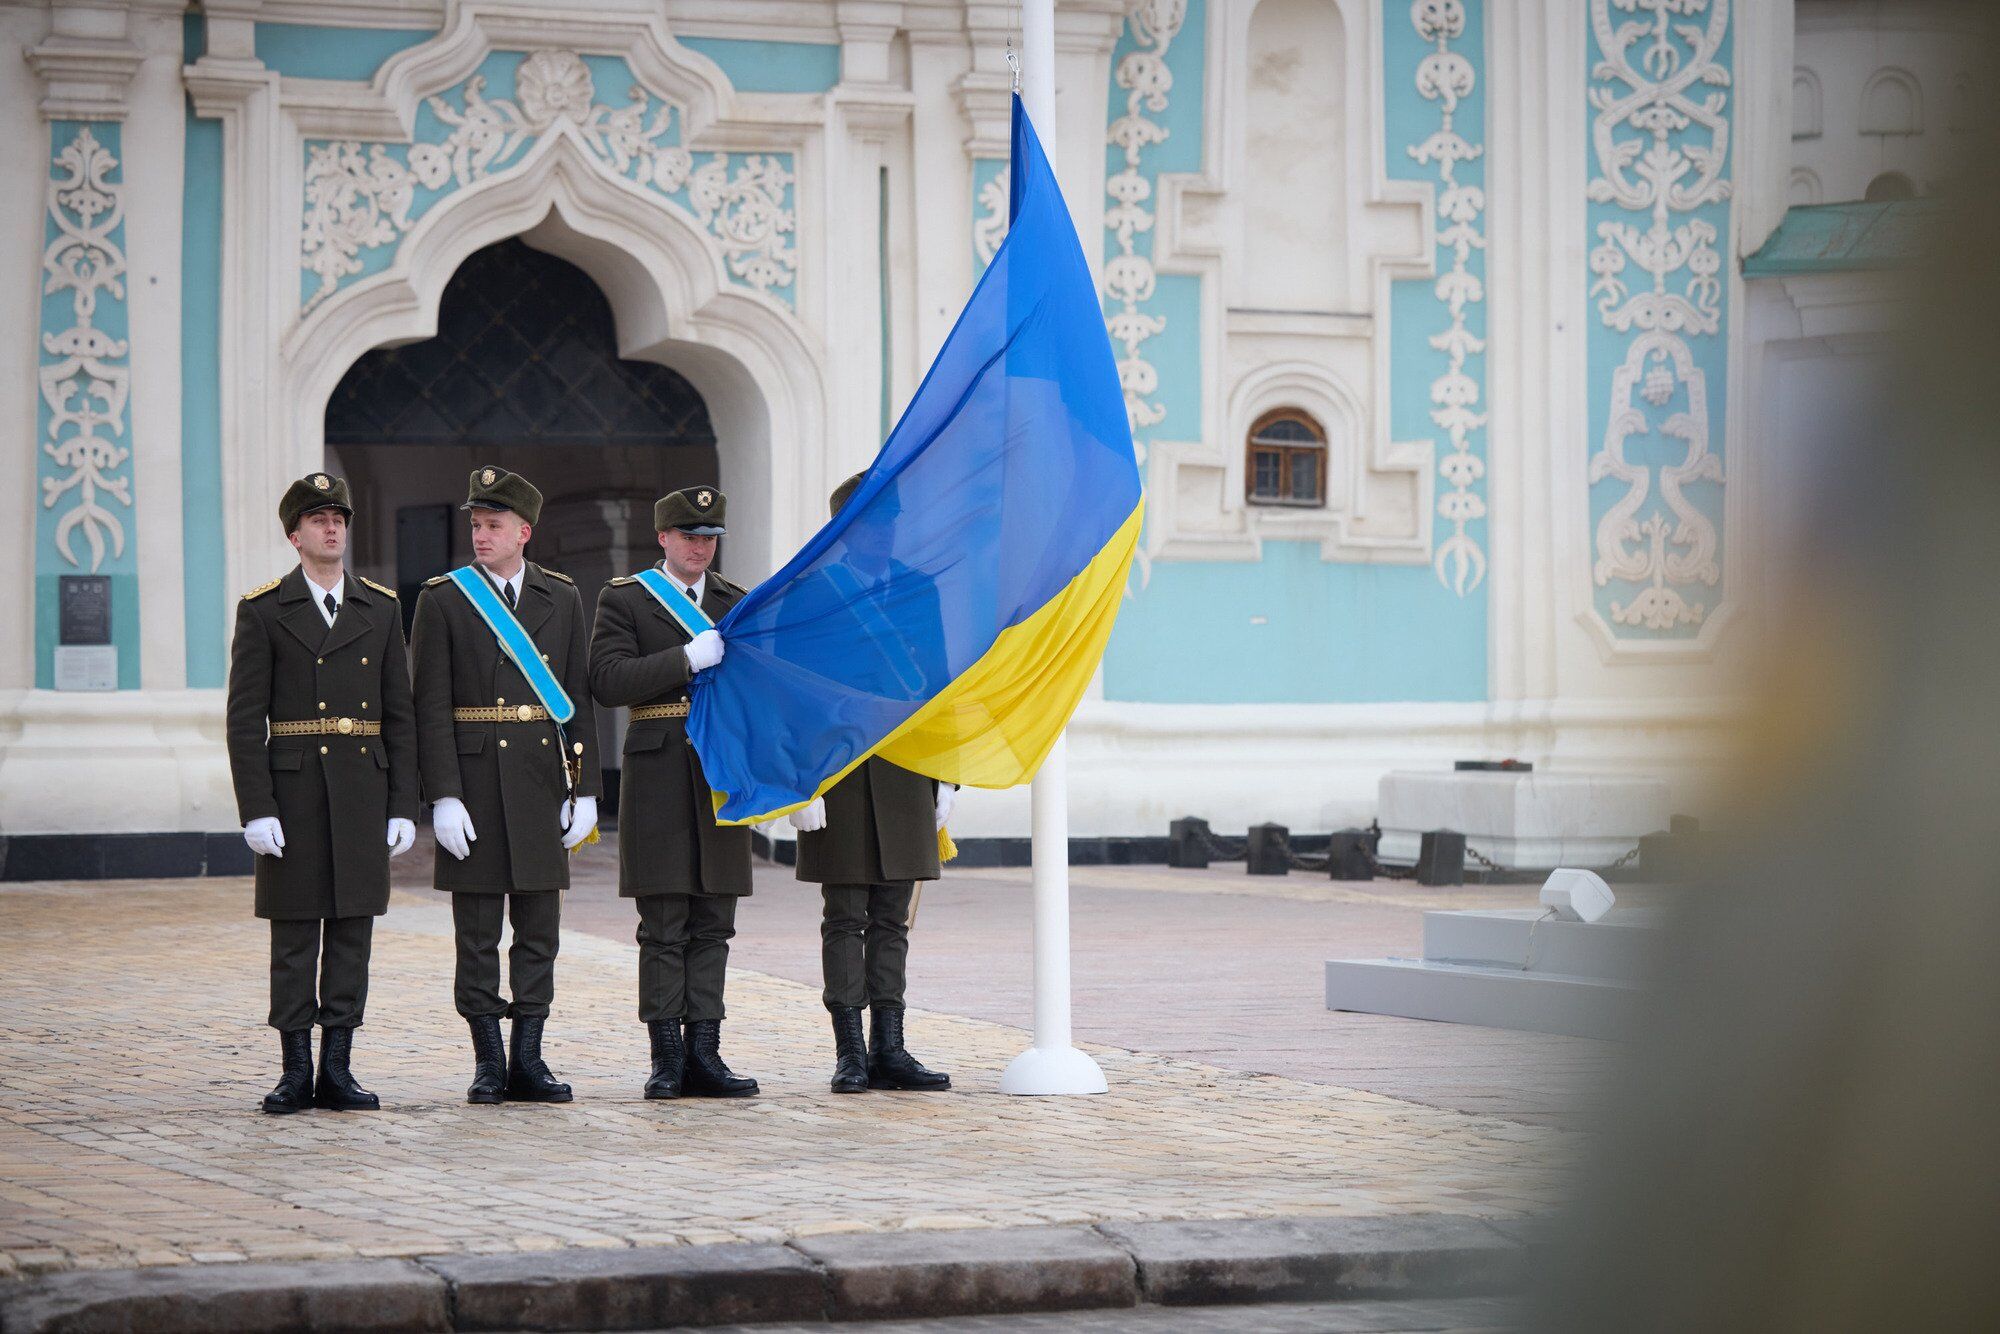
(1293,628)
(772,67)
(84,476)
(986,172)
(302,51)
(1673,344)
(202,554)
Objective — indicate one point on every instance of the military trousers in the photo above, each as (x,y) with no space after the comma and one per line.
(531,959)
(864,943)
(683,955)
(332,951)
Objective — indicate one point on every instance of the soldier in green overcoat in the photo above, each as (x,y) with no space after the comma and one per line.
(683,869)
(867,843)
(323,753)
(512,790)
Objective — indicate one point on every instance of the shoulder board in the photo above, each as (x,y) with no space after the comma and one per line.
(726,586)
(623,579)
(437,579)
(261,589)
(379,588)
(555,574)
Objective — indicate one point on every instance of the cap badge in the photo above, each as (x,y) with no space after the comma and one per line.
(486,477)
(704,498)
(322,481)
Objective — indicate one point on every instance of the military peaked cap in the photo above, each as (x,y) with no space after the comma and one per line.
(887,504)
(692,509)
(318,491)
(497,489)
(845,490)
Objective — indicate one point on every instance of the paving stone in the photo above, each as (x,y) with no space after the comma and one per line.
(226,1298)
(631,1289)
(162,1165)
(1317,1259)
(971,1272)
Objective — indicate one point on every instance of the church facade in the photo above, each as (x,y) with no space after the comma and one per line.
(1472,350)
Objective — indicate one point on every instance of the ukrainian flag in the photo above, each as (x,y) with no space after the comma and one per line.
(950,616)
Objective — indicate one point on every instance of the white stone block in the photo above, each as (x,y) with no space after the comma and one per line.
(1522,820)
(1577,896)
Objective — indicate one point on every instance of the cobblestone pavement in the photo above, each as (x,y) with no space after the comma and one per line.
(1212,966)
(134,1055)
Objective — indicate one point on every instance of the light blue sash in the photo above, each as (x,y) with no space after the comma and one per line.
(675,599)
(514,641)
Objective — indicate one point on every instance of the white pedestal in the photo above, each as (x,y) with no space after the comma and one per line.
(1510,968)
(1532,821)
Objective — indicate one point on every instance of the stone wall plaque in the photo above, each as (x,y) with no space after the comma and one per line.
(86,667)
(85,609)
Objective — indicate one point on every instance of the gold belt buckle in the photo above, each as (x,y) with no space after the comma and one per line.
(345,726)
(525,713)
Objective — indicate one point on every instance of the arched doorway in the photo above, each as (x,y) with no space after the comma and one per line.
(523,374)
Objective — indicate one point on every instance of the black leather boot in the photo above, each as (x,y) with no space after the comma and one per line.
(337,1091)
(294,1090)
(850,1051)
(669,1059)
(889,1065)
(707,1076)
(489,1060)
(528,1078)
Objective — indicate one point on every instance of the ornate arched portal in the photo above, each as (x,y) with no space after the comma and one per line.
(524,374)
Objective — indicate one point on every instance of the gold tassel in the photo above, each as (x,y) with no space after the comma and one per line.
(946,848)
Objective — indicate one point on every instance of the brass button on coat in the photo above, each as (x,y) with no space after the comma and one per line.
(503,743)
(322,750)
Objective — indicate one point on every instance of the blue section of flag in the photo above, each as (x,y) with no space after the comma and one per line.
(514,642)
(1009,473)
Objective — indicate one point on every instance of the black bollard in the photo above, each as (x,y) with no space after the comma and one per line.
(1187,843)
(1268,851)
(1351,856)
(1441,858)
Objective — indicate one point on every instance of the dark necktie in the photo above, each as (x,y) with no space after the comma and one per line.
(332,607)
(692,598)
(507,592)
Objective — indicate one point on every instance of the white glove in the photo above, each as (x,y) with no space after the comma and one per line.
(809,818)
(453,827)
(402,835)
(579,817)
(947,795)
(704,651)
(265,836)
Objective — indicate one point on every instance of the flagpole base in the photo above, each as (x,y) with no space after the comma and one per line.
(1046,1071)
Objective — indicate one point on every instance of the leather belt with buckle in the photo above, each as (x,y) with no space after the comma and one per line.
(327,726)
(505,713)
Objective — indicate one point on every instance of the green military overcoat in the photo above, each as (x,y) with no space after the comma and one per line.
(668,840)
(881,827)
(334,794)
(509,775)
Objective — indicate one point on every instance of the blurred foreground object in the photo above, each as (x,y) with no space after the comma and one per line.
(1805,1136)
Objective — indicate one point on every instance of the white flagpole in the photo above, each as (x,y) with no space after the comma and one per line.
(1053,1064)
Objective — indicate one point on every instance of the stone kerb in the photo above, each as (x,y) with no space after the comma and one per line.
(854,1276)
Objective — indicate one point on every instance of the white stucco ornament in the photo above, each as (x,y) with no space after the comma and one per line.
(1445,77)
(554,84)
(84,375)
(357,201)
(1660,144)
